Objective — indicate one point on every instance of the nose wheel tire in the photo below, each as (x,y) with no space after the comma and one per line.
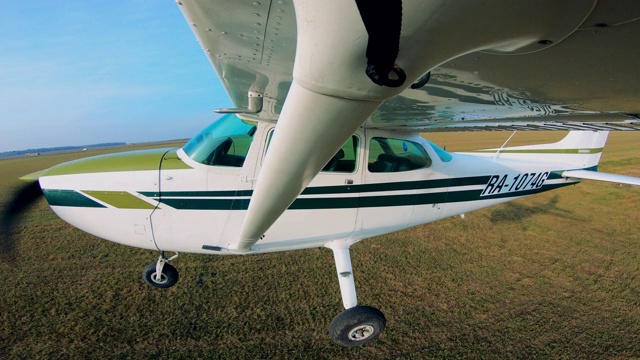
(168,277)
(357,326)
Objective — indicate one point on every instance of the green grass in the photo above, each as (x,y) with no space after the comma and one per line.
(556,275)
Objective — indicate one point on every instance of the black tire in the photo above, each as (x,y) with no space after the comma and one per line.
(168,278)
(357,326)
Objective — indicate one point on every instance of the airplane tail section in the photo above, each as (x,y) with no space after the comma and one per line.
(578,150)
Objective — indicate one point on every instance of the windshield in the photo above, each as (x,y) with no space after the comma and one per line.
(225,142)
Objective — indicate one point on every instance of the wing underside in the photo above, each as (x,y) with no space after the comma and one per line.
(588,80)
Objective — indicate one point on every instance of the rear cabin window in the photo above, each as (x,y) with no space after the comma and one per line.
(396,155)
(344,161)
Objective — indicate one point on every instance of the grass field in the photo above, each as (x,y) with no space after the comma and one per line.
(556,275)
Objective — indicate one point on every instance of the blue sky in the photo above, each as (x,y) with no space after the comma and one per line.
(84,72)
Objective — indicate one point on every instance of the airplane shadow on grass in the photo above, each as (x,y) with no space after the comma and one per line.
(514,211)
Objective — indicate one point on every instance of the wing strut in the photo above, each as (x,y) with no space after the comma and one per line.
(311,128)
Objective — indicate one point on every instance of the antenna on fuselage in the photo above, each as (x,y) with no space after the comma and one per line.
(505,144)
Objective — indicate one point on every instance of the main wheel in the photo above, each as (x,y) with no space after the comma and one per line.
(168,278)
(357,326)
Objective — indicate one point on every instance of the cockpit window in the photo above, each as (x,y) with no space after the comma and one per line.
(226,142)
(396,155)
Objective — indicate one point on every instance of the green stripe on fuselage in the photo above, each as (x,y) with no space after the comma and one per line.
(126,161)
(70,198)
(337,189)
(542,151)
(120,199)
(443,197)
(239,199)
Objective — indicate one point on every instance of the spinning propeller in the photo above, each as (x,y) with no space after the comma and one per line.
(22,201)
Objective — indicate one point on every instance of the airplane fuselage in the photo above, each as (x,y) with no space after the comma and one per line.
(194,199)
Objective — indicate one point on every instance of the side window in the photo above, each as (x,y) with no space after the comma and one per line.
(396,155)
(344,161)
(231,152)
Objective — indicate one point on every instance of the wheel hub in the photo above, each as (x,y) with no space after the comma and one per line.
(159,278)
(361,332)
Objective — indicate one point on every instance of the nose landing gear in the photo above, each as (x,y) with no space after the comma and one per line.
(161,274)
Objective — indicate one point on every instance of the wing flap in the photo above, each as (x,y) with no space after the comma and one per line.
(600,176)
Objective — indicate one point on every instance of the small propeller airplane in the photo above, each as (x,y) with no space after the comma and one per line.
(324,147)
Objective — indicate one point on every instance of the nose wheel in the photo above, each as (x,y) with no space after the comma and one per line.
(161,274)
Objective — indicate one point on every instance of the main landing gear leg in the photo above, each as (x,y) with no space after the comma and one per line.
(161,274)
(356,325)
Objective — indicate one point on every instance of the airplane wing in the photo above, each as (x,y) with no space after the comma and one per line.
(469,65)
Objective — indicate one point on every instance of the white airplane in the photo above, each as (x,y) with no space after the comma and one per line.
(324,149)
